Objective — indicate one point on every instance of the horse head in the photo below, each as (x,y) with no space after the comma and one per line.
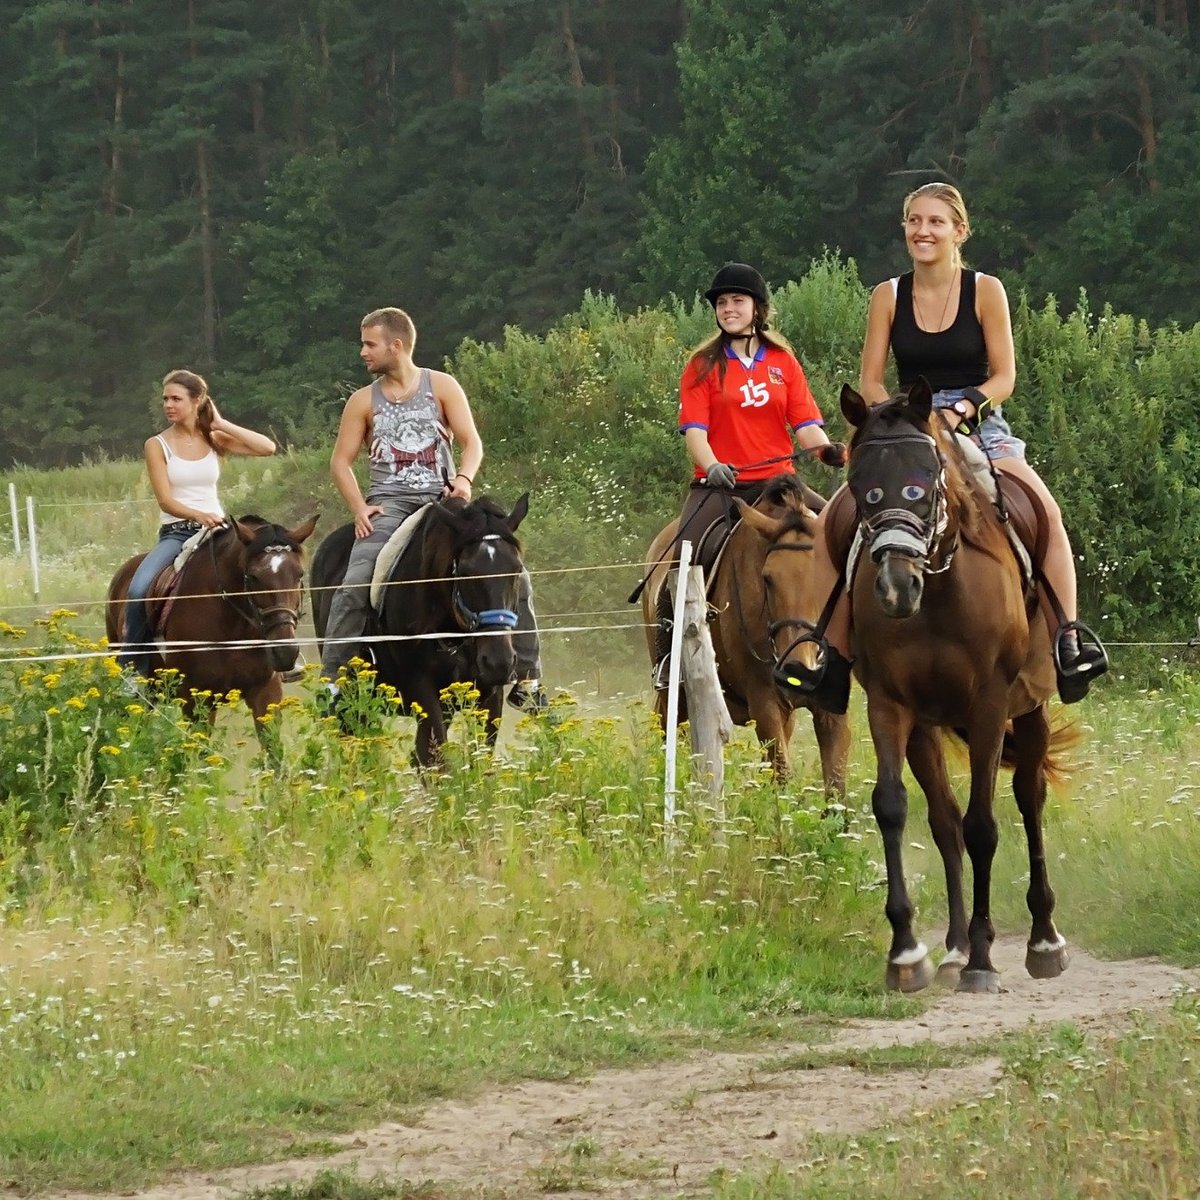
(485,567)
(786,527)
(270,561)
(898,479)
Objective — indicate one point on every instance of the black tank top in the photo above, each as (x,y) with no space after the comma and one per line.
(954,358)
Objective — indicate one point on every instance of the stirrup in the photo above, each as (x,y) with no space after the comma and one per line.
(825,686)
(1075,672)
(661,675)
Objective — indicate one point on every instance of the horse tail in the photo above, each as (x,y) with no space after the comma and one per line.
(1065,735)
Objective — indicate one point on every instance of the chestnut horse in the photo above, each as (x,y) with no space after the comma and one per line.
(229,621)
(947,635)
(757,595)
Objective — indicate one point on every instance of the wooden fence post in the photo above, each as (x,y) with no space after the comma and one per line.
(708,717)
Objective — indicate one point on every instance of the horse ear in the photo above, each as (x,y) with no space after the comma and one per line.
(447,516)
(245,532)
(766,527)
(854,407)
(920,398)
(303,532)
(519,511)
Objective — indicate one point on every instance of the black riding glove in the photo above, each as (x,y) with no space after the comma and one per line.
(833,455)
(721,475)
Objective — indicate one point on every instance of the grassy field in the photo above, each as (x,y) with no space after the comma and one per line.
(222,962)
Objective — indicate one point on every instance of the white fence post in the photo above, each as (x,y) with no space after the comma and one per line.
(33,550)
(12,508)
(685,559)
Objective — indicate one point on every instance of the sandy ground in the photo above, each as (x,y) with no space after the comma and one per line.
(661,1131)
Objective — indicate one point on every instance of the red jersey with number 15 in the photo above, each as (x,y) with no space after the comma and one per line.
(749,415)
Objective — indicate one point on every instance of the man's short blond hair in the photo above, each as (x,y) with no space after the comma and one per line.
(395,323)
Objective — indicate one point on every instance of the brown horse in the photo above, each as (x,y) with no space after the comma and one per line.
(947,636)
(757,595)
(229,621)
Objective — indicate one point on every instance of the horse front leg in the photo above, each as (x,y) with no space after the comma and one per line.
(426,707)
(909,968)
(493,708)
(981,836)
(832,731)
(266,724)
(1046,955)
(928,765)
(773,724)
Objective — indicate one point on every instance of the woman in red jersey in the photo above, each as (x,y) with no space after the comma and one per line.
(743,399)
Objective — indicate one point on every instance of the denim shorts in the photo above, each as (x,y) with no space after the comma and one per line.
(993,434)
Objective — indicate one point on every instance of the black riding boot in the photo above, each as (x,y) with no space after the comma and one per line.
(662,640)
(1079,657)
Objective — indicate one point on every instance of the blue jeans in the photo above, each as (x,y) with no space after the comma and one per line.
(993,434)
(138,649)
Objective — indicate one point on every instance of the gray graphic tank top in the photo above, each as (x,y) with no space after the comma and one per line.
(410,444)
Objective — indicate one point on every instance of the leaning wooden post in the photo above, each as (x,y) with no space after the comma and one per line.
(710,723)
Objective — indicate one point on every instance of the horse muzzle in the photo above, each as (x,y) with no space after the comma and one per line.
(282,654)
(899,585)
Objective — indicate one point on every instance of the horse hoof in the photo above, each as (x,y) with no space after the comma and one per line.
(949,972)
(979,982)
(909,977)
(1047,963)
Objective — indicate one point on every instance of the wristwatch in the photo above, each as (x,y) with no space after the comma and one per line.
(963,408)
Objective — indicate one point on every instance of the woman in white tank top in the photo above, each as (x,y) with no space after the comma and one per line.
(183,462)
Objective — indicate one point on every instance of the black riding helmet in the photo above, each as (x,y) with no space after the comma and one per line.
(738,277)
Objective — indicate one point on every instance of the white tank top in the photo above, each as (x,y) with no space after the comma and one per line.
(193,481)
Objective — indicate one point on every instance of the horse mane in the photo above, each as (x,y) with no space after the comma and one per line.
(267,533)
(969,505)
(483,517)
(787,493)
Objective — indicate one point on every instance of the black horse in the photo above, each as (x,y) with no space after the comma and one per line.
(447,614)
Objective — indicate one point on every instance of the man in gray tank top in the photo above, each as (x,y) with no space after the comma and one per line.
(407,419)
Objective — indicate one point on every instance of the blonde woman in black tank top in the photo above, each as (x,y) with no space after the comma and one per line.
(927,320)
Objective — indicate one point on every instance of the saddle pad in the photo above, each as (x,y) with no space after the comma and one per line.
(391,551)
(190,547)
(977,462)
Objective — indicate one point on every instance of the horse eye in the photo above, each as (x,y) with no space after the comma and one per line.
(912,491)
(874,495)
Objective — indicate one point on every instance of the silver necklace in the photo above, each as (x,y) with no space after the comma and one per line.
(925,327)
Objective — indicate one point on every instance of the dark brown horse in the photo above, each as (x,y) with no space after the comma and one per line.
(229,621)
(947,636)
(758,595)
(448,613)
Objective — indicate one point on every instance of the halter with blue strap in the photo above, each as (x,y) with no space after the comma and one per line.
(487,619)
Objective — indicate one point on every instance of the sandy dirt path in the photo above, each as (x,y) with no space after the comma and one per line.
(661,1131)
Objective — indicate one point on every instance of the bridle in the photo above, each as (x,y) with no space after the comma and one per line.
(265,618)
(488,620)
(900,531)
(773,627)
